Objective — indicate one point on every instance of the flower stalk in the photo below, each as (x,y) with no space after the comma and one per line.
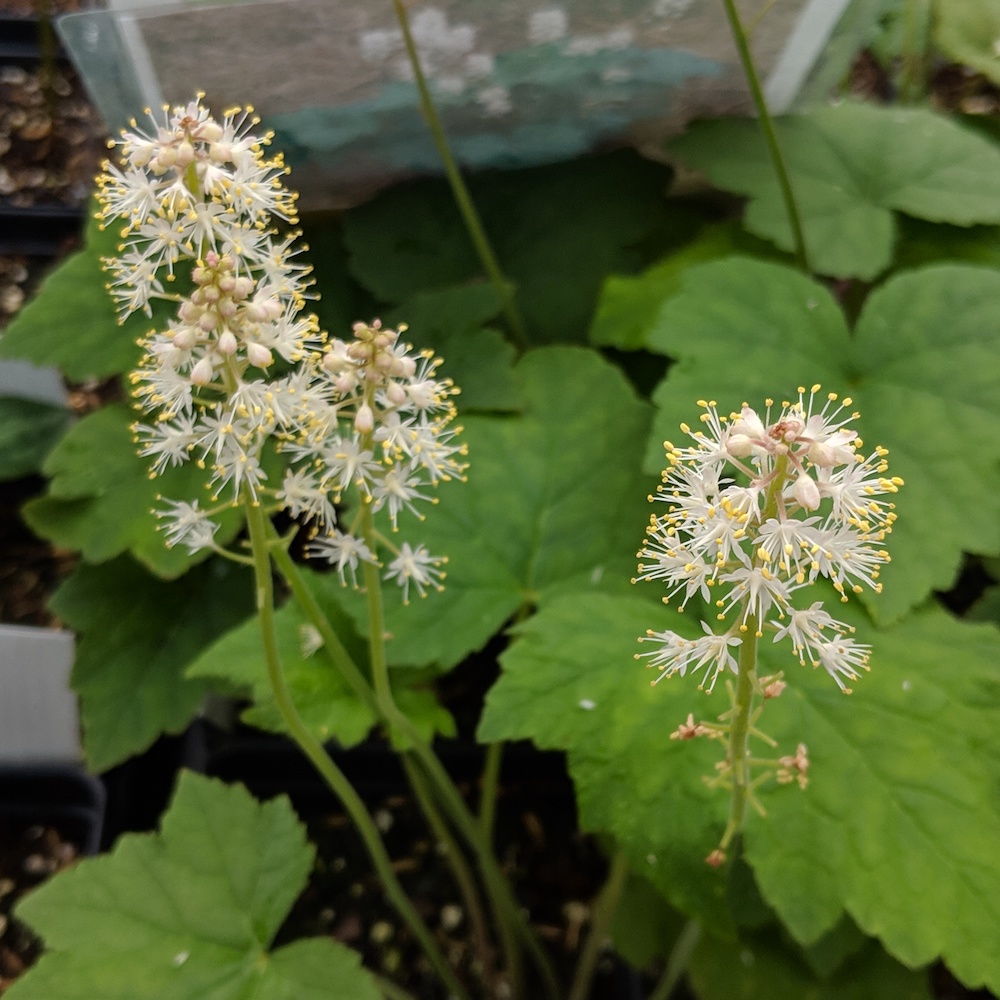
(321,760)
(767,126)
(762,507)
(459,190)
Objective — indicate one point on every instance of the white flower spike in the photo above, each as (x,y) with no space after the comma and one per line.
(761,506)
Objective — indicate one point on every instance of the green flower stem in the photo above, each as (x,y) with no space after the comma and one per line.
(744,711)
(917,17)
(739,733)
(600,923)
(456,859)
(320,759)
(488,792)
(678,961)
(460,192)
(376,611)
(770,134)
(383,695)
(496,884)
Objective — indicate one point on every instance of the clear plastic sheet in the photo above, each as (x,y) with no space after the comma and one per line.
(517,82)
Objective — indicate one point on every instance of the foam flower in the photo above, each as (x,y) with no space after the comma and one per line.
(761,505)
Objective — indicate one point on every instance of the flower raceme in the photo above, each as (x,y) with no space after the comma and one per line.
(759,507)
(242,381)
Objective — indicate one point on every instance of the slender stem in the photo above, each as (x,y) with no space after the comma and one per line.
(458,187)
(499,891)
(456,859)
(600,922)
(739,732)
(376,610)
(678,961)
(490,785)
(383,695)
(320,759)
(770,133)
(917,16)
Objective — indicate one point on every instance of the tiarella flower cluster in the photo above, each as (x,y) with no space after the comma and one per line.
(760,507)
(241,381)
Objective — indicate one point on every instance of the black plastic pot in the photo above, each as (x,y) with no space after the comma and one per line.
(60,796)
(44,230)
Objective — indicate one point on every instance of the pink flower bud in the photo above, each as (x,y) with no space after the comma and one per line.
(202,372)
(259,355)
(364,419)
(185,338)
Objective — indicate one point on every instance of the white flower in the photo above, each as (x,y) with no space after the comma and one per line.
(345,552)
(677,654)
(760,506)
(187,524)
(195,201)
(416,566)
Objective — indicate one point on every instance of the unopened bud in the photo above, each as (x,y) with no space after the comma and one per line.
(259,355)
(185,338)
(364,419)
(228,342)
(202,372)
(806,492)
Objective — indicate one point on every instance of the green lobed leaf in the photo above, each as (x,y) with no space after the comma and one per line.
(630,304)
(324,701)
(138,634)
(28,430)
(101,497)
(569,682)
(760,969)
(899,823)
(71,322)
(644,926)
(922,368)
(556,230)
(897,827)
(852,166)
(189,913)
(554,502)
(856,29)
(966,32)
(450,322)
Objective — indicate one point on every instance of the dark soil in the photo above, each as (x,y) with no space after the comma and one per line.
(29,854)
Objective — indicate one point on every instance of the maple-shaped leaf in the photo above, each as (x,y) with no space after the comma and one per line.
(852,167)
(189,913)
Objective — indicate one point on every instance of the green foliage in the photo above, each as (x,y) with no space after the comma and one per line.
(101,497)
(853,166)
(966,32)
(28,430)
(138,635)
(895,837)
(71,322)
(451,323)
(922,368)
(555,502)
(324,701)
(557,231)
(189,913)
(766,969)
(899,816)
